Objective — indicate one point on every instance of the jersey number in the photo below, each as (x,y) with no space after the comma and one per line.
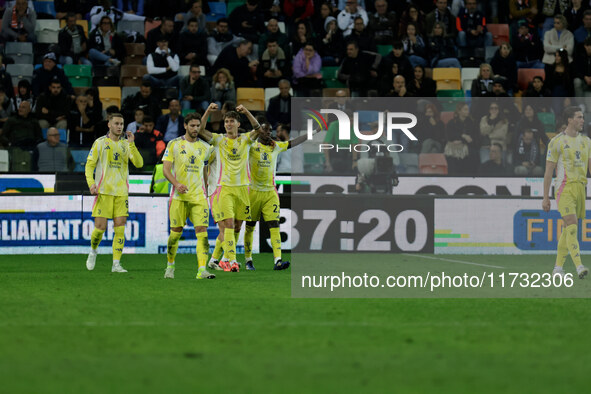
(275,208)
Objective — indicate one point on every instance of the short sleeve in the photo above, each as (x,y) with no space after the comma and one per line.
(553,151)
(215,139)
(169,152)
(282,145)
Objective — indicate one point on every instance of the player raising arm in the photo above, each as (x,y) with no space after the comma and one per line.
(183,163)
(110,156)
(570,154)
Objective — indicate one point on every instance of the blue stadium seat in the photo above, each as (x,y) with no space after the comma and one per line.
(217,11)
(80,159)
(44,7)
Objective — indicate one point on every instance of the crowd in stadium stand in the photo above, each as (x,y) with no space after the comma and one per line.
(66,64)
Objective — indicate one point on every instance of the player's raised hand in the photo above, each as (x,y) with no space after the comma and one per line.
(212,107)
(94,190)
(182,189)
(241,109)
(130,136)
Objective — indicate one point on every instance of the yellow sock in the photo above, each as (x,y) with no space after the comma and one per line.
(248,236)
(118,242)
(562,250)
(217,251)
(202,249)
(96,237)
(276,242)
(229,244)
(173,245)
(573,244)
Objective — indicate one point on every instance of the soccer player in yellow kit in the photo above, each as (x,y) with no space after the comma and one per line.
(263,193)
(570,154)
(230,202)
(110,156)
(183,163)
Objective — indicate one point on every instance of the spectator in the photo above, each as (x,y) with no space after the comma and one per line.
(359,70)
(144,99)
(195,91)
(504,64)
(18,23)
(462,146)
(414,46)
(273,65)
(53,107)
(431,132)
(284,159)
(584,31)
(105,45)
(441,14)
(471,25)
(582,74)
(6,108)
(559,80)
(22,130)
(343,161)
(442,51)
(525,10)
(494,127)
(482,85)
(279,110)
(298,10)
(530,121)
(415,15)
(574,14)
(24,93)
(6,79)
(52,155)
(219,39)
(382,23)
(420,85)
(149,141)
(342,4)
(273,33)
(550,10)
(137,122)
(235,59)
(105,8)
(331,45)
(166,30)
(397,56)
(536,88)
(102,127)
(94,106)
(223,89)
(494,166)
(341,101)
(346,18)
(80,124)
(527,47)
(72,43)
(306,71)
(193,45)
(163,66)
(527,155)
(319,19)
(558,38)
(44,75)
(248,21)
(196,11)
(301,37)
(171,124)
(364,39)
(398,88)
(63,7)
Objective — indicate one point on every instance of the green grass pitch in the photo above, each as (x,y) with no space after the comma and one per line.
(66,330)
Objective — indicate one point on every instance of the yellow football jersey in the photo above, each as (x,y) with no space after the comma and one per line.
(571,155)
(263,163)
(187,160)
(232,158)
(111,160)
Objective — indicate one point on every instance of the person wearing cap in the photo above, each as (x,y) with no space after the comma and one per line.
(582,71)
(105,45)
(382,23)
(163,66)
(18,23)
(527,46)
(43,76)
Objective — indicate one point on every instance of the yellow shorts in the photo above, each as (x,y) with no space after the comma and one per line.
(179,211)
(110,207)
(230,202)
(266,203)
(571,200)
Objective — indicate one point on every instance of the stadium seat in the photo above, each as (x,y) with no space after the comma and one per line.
(63,135)
(450,98)
(79,157)
(217,10)
(20,52)
(131,75)
(128,91)
(525,76)
(432,163)
(468,75)
(500,32)
(106,75)
(4,163)
(79,75)
(20,71)
(47,30)
(272,92)
(110,95)
(149,26)
(44,7)
(409,163)
(329,76)
(184,70)
(446,116)
(490,53)
(252,98)
(135,53)
(447,78)
(384,49)
(313,163)
(365,118)
(548,120)
(232,5)
(186,112)
(81,22)
(137,26)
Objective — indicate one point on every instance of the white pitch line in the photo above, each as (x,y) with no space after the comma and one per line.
(454,261)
